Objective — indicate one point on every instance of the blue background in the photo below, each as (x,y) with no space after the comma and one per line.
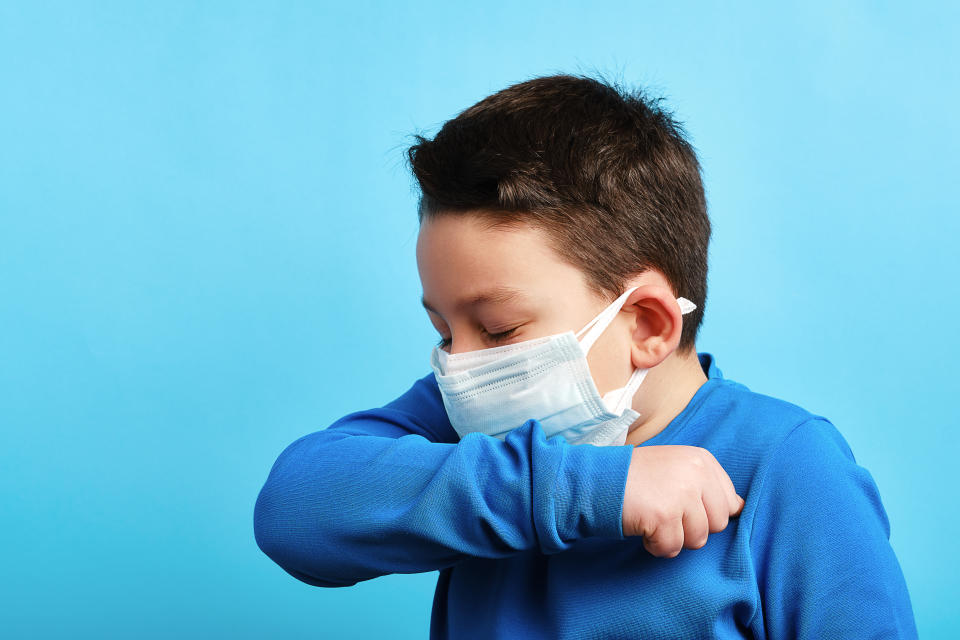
(207,236)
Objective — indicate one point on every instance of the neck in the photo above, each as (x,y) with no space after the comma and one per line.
(665,392)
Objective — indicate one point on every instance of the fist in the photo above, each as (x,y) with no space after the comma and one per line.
(676,496)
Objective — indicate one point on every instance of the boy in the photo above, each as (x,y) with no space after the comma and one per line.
(547,206)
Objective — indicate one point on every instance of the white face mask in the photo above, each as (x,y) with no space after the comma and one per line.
(496,390)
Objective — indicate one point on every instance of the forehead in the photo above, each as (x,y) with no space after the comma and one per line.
(463,255)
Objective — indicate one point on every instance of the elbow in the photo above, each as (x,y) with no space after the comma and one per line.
(279,537)
(268,528)
(271,529)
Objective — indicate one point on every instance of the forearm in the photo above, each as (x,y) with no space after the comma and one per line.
(338,508)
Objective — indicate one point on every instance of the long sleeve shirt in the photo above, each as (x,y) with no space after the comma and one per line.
(527,536)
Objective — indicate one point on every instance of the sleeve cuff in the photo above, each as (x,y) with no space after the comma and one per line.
(589,491)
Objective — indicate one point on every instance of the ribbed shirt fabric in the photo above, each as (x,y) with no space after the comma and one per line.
(527,533)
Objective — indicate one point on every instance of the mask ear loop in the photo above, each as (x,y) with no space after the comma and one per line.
(606,316)
(597,326)
(626,398)
(636,378)
(686,306)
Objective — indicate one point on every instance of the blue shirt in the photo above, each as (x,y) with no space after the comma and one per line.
(527,533)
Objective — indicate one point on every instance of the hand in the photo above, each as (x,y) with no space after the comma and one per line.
(676,495)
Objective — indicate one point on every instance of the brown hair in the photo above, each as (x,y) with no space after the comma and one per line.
(606,173)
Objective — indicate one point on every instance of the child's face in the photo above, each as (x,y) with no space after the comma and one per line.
(480,282)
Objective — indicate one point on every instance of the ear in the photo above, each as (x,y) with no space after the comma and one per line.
(656,325)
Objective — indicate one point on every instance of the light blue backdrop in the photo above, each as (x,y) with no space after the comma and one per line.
(207,239)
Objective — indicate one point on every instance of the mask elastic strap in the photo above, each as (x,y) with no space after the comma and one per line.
(626,398)
(597,326)
(636,378)
(686,306)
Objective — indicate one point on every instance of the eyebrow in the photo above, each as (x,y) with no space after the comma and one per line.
(496,295)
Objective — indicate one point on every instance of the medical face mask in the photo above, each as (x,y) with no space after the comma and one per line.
(496,390)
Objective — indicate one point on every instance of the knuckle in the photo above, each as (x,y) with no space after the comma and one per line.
(685,490)
(718,525)
(664,514)
(696,536)
(706,459)
(654,549)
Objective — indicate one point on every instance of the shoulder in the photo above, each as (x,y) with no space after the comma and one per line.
(774,450)
(781,433)
(808,485)
(814,464)
(818,536)
(752,425)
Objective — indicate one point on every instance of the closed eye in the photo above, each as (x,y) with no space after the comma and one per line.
(503,335)
(495,337)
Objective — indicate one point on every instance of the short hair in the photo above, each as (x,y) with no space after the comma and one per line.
(606,172)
